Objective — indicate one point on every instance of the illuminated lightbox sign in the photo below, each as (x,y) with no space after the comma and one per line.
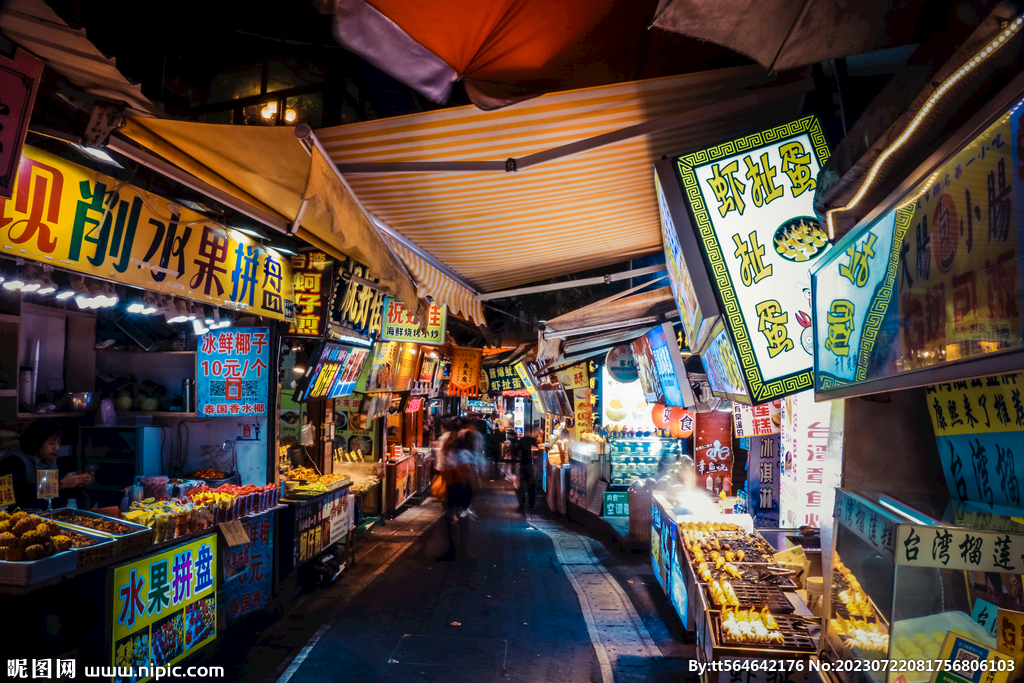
(752,205)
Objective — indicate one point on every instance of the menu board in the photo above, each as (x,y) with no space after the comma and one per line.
(935,279)
(752,203)
(623,406)
(660,368)
(679,278)
(334,373)
(250,588)
(233,372)
(164,605)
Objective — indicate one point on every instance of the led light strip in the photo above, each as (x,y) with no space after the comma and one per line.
(984,53)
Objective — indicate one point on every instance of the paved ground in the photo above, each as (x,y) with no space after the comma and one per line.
(527,601)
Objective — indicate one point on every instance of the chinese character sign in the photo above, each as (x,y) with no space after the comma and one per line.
(621,364)
(763,480)
(356,304)
(250,589)
(679,277)
(803,466)
(90,223)
(712,447)
(978,424)
(19,80)
(232,372)
(165,605)
(757,420)
(754,212)
(466,366)
(502,378)
(398,324)
(312,275)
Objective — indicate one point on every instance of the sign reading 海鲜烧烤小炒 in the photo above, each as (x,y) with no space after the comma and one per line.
(233,372)
(754,213)
(84,221)
(399,324)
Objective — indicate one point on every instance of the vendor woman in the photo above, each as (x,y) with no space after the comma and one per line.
(39,445)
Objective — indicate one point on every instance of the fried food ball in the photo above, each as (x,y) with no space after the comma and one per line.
(5,526)
(35,552)
(15,554)
(8,539)
(61,543)
(52,528)
(24,525)
(19,514)
(4,516)
(31,537)
(43,528)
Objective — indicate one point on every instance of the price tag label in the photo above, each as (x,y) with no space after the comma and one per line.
(6,490)
(47,484)
(234,533)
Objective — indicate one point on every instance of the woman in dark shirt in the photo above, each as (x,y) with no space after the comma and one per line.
(40,444)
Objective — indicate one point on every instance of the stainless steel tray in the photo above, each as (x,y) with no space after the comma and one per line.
(140,537)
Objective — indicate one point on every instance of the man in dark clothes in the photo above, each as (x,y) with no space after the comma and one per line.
(527,491)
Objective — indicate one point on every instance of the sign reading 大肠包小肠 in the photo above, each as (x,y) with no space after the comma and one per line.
(66,215)
(755,218)
(232,372)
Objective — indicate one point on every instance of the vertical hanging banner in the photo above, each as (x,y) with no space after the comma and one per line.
(466,366)
(978,427)
(19,80)
(398,324)
(712,448)
(250,590)
(763,480)
(232,372)
(75,218)
(407,362)
(313,275)
(752,203)
(805,427)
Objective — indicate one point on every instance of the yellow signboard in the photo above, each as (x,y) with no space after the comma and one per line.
(982,405)
(71,217)
(7,490)
(165,605)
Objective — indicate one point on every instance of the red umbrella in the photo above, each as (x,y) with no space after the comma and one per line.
(510,50)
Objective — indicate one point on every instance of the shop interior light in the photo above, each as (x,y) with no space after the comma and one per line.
(96,154)
(290,115)
(107,297)
(250,233)
(47,286)
(269,110)
(199,327)
(281,249)
(180,312)
(193,311)
(136,307)
(354,340)
(150,305)
(14,283)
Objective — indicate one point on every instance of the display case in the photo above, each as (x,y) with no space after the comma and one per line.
(641,457)
(907,572)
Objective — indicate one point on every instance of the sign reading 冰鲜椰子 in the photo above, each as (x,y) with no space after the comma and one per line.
(66,215)
(398,324)
(164,605)
(752,202)
(232,372)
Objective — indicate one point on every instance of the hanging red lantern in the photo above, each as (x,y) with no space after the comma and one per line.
(661,415)
(681,423)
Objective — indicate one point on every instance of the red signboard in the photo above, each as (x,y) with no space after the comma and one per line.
(19,79)
(712,446)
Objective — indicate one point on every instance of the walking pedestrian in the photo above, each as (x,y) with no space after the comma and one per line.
(527,490)
(459,470)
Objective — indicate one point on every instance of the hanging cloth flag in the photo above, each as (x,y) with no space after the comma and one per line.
(465,379)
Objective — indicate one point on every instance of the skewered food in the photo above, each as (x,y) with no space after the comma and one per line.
(723,593)
(751,627)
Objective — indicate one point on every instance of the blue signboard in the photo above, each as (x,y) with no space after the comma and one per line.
(249,568)
(763,480)
(233,372)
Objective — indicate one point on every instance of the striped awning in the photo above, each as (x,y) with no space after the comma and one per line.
(498,230)
(431,282)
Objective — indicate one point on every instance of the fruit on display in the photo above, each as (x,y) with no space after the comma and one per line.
(748,626)
(210,474)
(25,537)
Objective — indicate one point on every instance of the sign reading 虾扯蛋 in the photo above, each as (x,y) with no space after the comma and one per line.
(232,372)
(752,203)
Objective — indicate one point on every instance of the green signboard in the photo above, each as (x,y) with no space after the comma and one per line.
(616,504)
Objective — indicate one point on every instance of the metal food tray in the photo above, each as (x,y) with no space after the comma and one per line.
(140,537)
(751,572)
(28,573)
(91,555)
(756,596)
(235,479)
(795,637)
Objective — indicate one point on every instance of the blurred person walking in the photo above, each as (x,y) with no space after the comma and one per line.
(458,464)
(527,489)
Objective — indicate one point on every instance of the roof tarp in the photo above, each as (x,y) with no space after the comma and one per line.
(498,230)
(267,167)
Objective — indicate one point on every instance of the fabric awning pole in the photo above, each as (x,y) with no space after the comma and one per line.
(601,279)
(666,123)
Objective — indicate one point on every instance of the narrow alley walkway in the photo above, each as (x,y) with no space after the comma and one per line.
(508,609)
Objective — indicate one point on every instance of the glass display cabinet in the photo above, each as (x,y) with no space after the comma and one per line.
(907,572)
(634,458)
